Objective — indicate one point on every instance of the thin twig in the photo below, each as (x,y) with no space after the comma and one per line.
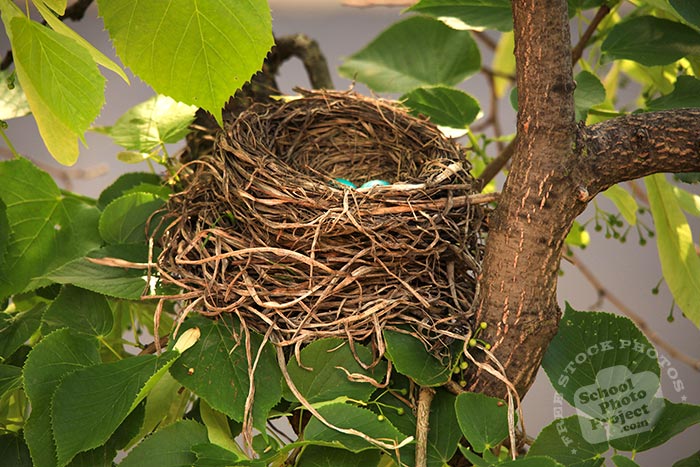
(497,164)
(577,51)
(425,398)
(488,42)
(638,320)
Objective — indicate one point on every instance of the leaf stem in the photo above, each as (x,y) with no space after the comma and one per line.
(10,146)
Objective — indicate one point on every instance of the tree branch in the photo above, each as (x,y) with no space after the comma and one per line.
(577,51)
(637,145)
(308,51)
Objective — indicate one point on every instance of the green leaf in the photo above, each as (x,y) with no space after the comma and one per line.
(64,98)
(445,106)
(651,41)
(411,358)
(216,370)
(686,93)
(13,102)
(4,234)
(92,402)
(687,177)
(211,455)
(152,123)
(564,441)
(57,355)
(473,14)
(417,51)
(482,419)
(674,418)
(107,280)
(171,446)
(14,452)
(61,28)
(80,310)
(624,202)
(351,417)
(601,364)
(40,218)
(58,6)
(589,92)
(10,378)
(126,184)
(321,377)
(679,262)
(444,434)
(691,461)
(105,454)
(17,328)
(324,456)
(688,9)
(125,219)
(535,461)
(172,45)
(622,461)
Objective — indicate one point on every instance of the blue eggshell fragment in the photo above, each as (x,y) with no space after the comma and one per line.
(373,183)
(346,182)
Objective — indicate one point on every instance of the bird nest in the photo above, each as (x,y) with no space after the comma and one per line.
(264,229)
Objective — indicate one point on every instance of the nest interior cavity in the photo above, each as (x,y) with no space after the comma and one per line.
(262,229)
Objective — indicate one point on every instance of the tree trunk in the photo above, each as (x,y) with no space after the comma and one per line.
(557,169)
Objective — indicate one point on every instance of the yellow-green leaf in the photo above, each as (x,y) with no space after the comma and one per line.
(64,89)
(503,63)
(679,261)
(61,28)
(689,202)
(624,202)
(199,53)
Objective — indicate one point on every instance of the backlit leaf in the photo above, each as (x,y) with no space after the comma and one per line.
(624,202)
(13,102)
(679,261)
(147,125)
(199,53)
(62,84)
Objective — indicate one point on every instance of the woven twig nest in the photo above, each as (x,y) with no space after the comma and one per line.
(263,230)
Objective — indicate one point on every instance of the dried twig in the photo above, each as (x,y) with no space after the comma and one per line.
(577,51)
(604,292)
(425,397)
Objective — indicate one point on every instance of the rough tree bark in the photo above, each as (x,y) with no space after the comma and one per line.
(557,168)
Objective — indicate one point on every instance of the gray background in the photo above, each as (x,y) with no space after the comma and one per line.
(629,270)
